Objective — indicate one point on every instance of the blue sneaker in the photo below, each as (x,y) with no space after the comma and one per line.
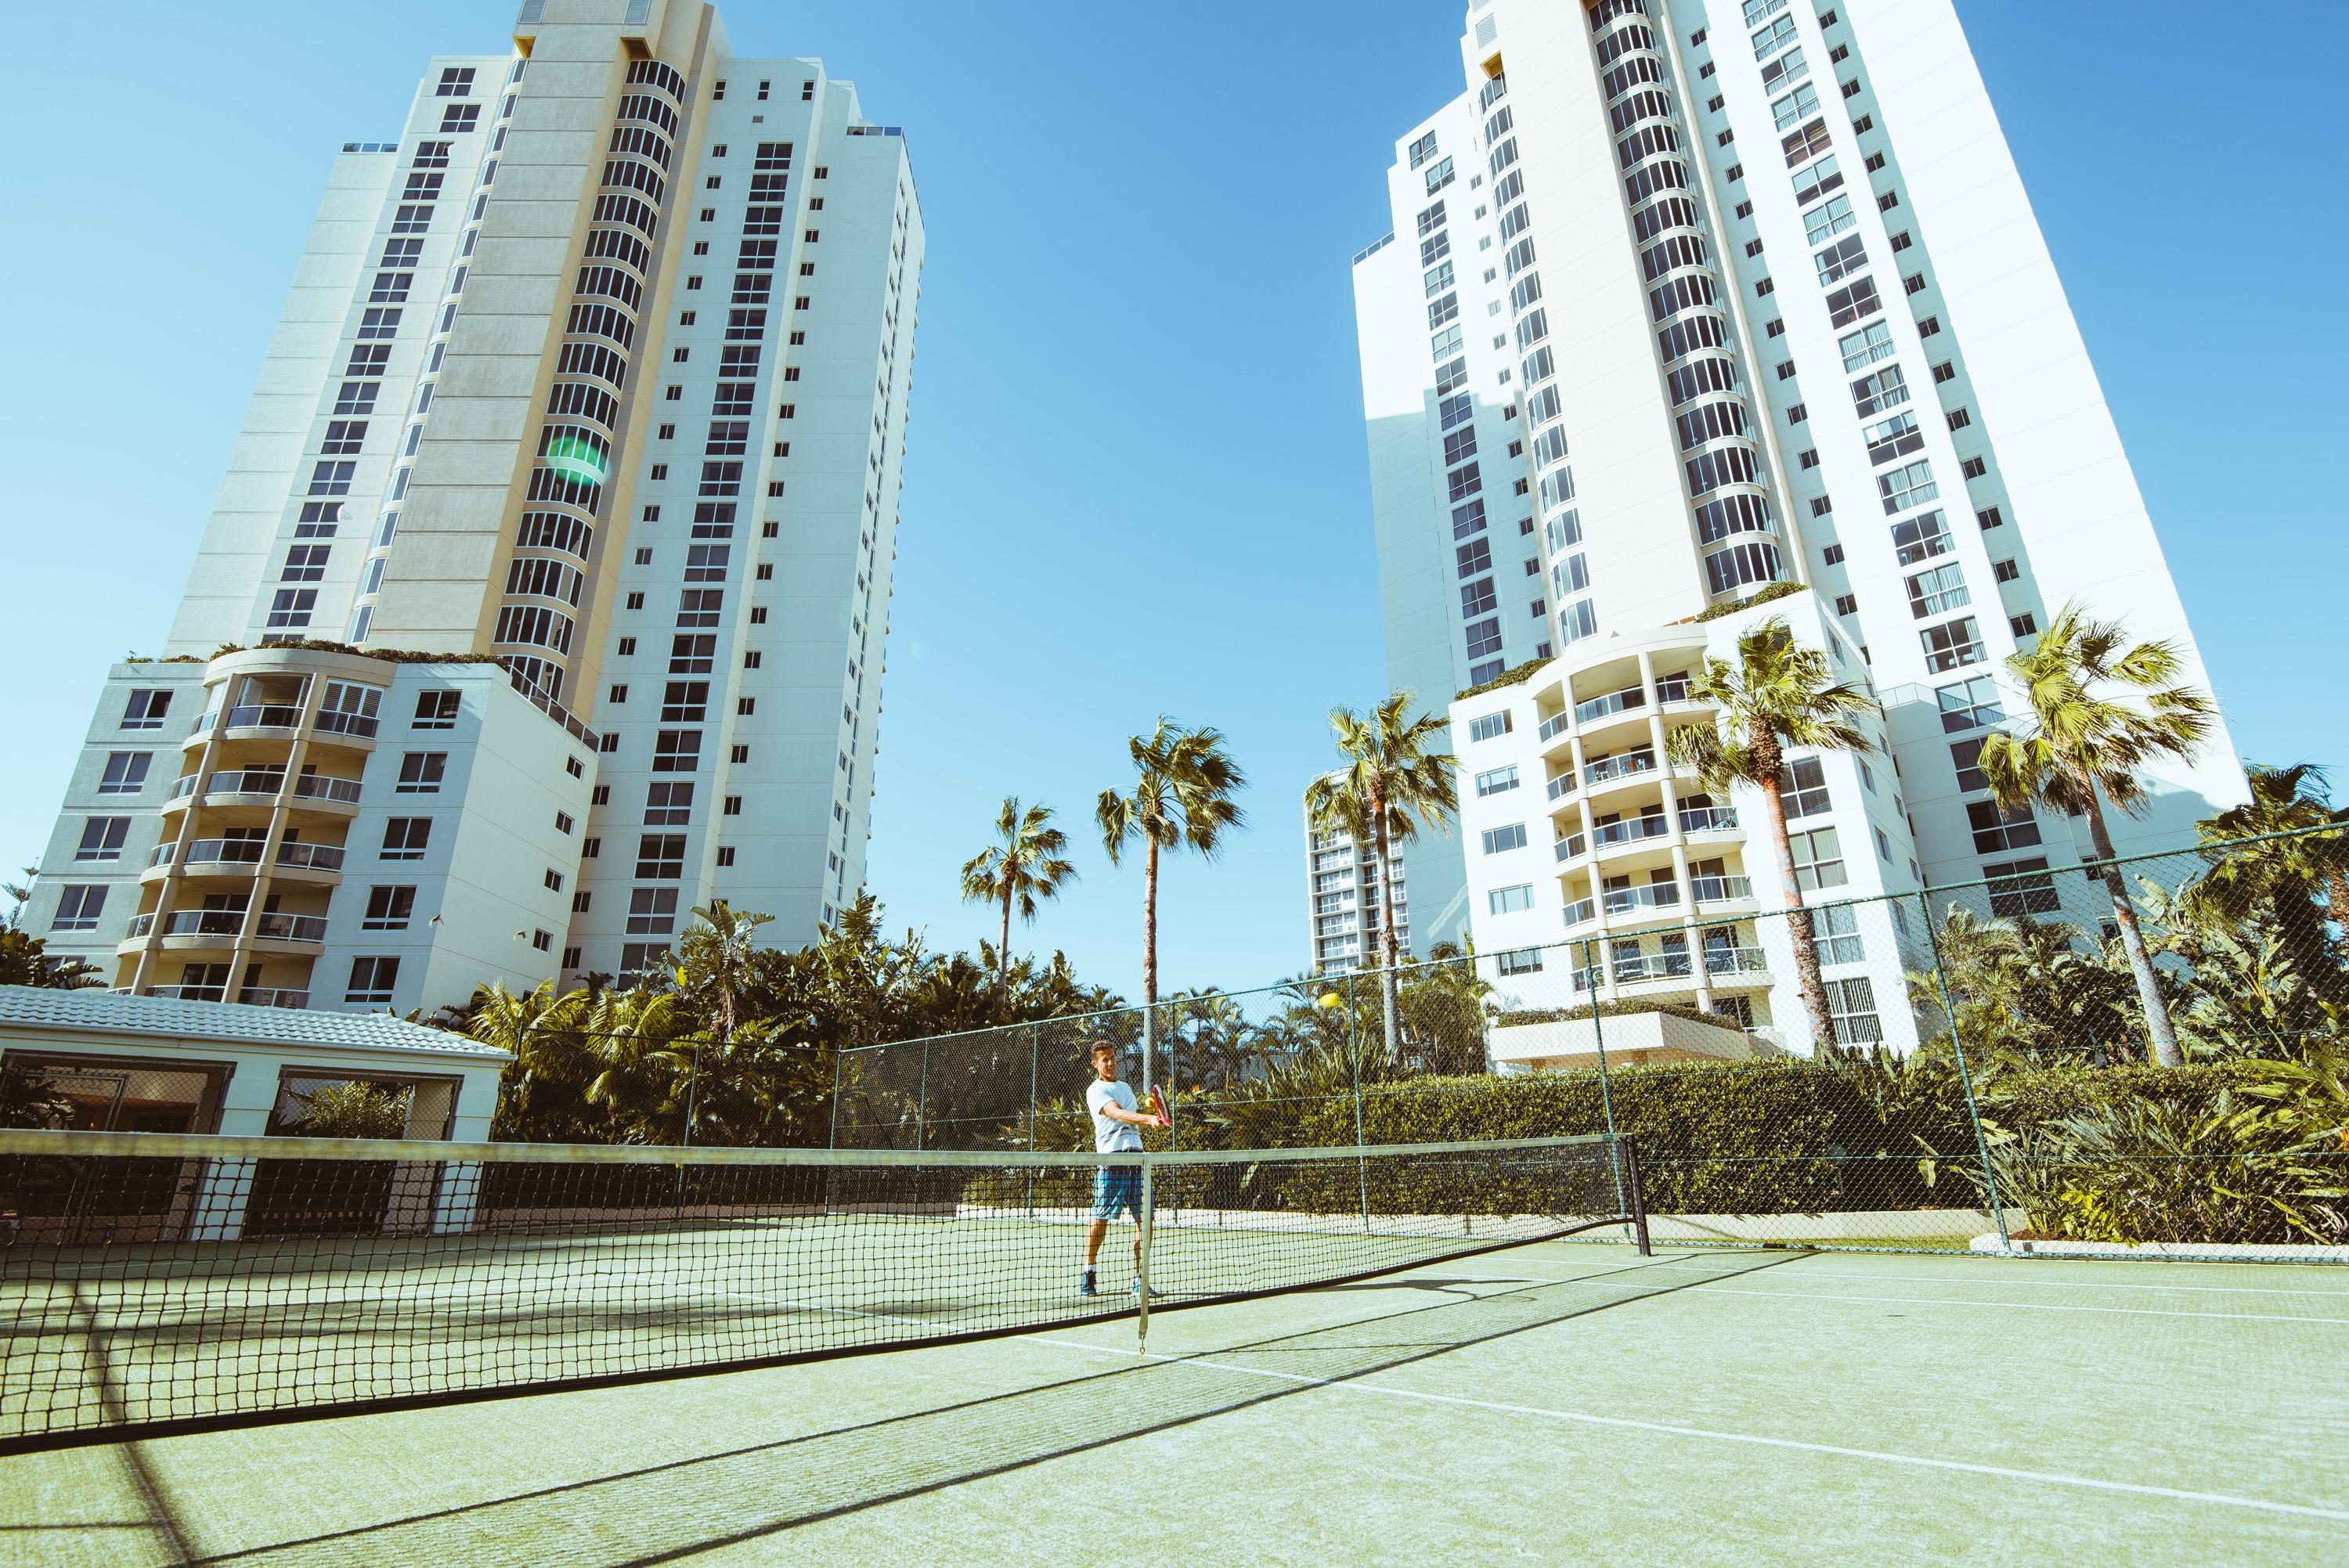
(1135,1289)
(1085,1284)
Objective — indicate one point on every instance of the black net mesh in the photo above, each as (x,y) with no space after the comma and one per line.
(203,1281)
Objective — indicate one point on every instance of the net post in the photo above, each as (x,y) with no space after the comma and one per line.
(1627,1175)
(831,1139)
(1141,1264)
(922,1101)
(1965,1078)
(1354,1054)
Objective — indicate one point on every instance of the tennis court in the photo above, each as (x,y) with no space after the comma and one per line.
(1563,1399)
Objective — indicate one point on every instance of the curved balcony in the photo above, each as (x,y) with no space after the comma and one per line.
(1704,891)
(1630,830)
(1736,966)
(1619,770)
(1697,819)
(258,788)
(1582,911)
(250,996)
(219,928)
(240,859)
(1636,899)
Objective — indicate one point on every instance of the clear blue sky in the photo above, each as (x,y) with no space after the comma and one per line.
(1135,479)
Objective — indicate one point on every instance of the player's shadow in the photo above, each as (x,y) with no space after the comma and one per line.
(661,1513)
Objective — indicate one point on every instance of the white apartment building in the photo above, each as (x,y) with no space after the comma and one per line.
(1772,309)
(1348,897)
(590,389)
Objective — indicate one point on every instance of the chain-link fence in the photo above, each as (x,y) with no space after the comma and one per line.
(2150,1053)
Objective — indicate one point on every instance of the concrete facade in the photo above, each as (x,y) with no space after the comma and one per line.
(598,371)
(1775,310)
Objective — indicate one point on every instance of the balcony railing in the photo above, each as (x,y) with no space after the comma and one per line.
(1570,846)
(229,922)
(1720,890)
(317,787)
(263,715)
(247,851)
(1707,819)
(1554,725)
(1561,787)
(1582,911)
(359,724)
(1655,895)
(1734,960)
(1674,688)
(1631,829)
(1599,707)
(1671,964)
(184,785)
(1618,766)
(251,996)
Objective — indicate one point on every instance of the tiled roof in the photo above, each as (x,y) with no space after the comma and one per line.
(109,1012)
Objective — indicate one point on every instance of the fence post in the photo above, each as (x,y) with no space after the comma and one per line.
(1598,1036)
(831,1139)
(1035,1049)
(922,1101)
(1354,1060)
(1965,1078)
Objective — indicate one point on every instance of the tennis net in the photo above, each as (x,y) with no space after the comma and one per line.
(157,1283)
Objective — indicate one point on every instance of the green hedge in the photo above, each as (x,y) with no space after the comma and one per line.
(1772,1137)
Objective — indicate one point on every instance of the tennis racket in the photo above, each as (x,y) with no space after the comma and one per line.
(1162,1102)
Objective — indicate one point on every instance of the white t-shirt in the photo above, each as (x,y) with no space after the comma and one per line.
(1112,1136)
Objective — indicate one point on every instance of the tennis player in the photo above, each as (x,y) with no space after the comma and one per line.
(1117,1130)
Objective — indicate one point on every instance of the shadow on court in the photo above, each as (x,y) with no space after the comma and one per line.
(665,1512)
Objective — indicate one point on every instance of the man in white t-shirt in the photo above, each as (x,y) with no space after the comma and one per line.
(1117,1128)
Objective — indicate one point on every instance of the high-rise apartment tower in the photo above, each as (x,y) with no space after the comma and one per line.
(1352,896)
(1688,302)
(578,445)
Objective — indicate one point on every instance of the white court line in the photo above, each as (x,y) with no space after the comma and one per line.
(1666,1429)
(1955,1300)
(2027,1306)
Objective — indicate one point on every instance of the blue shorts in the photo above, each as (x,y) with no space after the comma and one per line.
(1117,1187)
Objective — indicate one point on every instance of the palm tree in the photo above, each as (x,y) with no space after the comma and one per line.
(2086,744)
(1182,796)
(2280,875)
(1394,779)
(1027,866)
(1779,694)
(713,968)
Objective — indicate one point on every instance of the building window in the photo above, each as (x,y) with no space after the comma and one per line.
(102,839)
(1909,485)
(1952,647)
(1803,788)
(1996,831)
(1965,756)
(126,772)
(406,838)
(1499,841)
(388,909)
(1519,961)
(652,911)
(146,709)
(1846,605)
(1818,860)
(372,979)
(1973,467)
(2026,624)
(2015,890)
(292,607)
(1509,899)
(1970,704)
(660,857)
(1937,590)
(421,772)
(78,907)
(1851,1012)
(1497,781)
(1837,930)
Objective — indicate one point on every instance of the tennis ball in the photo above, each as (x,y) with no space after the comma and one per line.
(1329,999)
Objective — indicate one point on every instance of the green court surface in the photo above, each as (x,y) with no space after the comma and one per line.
(1555,1402)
